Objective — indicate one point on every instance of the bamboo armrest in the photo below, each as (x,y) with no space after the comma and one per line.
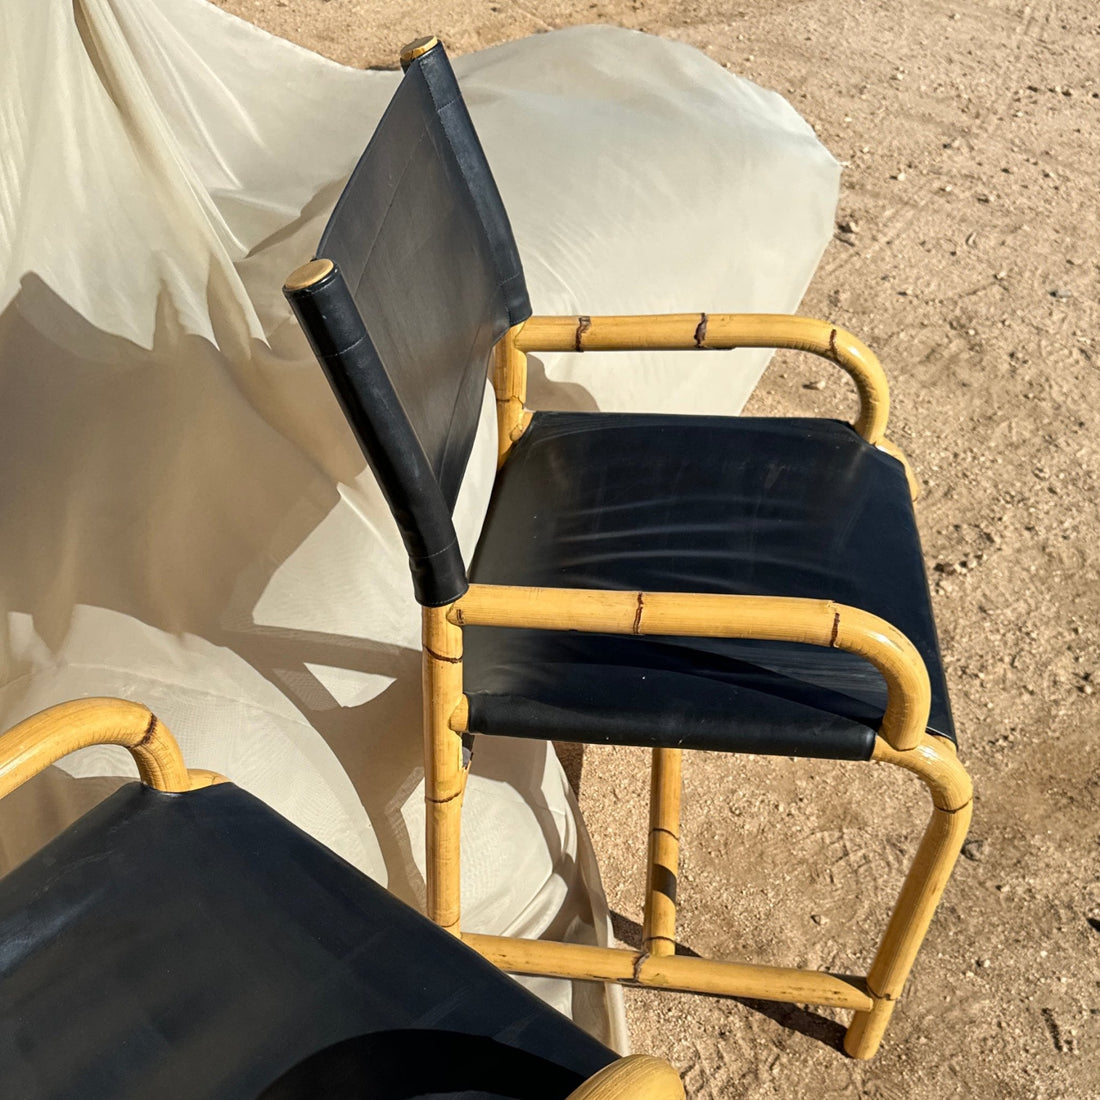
(699,615)
(635,1077)
(44,738)
(722,331)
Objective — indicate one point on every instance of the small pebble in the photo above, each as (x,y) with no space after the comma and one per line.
(974,849)
(1061,293)
(817,384)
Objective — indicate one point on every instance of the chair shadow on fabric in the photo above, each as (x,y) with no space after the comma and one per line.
(146,484)
(413,1064)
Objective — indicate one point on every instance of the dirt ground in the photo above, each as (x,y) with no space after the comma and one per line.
(966,255)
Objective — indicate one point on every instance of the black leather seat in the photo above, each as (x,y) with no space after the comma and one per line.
(787,507)
(198,945)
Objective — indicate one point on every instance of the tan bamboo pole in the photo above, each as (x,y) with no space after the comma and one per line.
(444,774)
(952,799)
(635,1077)
(680,972)
(44,738)
(663,865)
(723,331)
(774,618)
(510,385)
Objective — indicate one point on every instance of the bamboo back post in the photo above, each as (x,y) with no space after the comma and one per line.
(509,377)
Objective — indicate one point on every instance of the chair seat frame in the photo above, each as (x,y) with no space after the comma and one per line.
(902,739)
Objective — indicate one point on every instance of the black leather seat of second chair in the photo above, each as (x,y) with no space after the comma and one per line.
(787,507)
(198,945)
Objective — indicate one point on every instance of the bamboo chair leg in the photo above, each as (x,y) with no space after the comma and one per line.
(659,922)
(935,762)
(444,772)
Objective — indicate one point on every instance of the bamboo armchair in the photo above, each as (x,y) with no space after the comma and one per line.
(746,585)
(183,940)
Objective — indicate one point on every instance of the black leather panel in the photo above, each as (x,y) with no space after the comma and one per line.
(199,946)
(330,319)
(421,238)
(704,504)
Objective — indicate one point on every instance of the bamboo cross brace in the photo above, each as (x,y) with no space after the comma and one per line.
(710,615)
(681,972)
(722,331)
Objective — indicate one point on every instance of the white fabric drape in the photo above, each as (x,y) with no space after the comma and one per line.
(186,518)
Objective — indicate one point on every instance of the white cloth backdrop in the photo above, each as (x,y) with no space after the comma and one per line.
(187,520)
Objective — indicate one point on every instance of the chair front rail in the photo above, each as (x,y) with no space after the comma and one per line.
(722,332)
(41,740)
(709,615)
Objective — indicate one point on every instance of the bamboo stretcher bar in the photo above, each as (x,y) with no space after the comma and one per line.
(773,618)
(723,331)
(44,738)
(679,972)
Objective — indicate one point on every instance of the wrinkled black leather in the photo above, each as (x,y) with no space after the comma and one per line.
(200,946)
(698,504)
(433,279)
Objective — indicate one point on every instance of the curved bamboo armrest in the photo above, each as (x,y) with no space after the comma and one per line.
(635,1077)
(44,738)
(707,615)
(722,331)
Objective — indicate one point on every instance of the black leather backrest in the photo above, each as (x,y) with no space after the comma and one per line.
(427,279)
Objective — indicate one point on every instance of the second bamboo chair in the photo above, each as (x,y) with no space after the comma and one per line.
(182,940)
(734,584)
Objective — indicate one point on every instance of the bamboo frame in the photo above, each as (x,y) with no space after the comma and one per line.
(509,376)
(685,973)
(444,768)
(720,331)
(663,862)
(41,740)
(902,742)
(774,618)
(635,1077)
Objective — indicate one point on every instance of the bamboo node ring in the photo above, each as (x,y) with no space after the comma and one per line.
(583,325)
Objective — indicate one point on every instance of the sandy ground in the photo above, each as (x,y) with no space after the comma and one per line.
(966,255)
